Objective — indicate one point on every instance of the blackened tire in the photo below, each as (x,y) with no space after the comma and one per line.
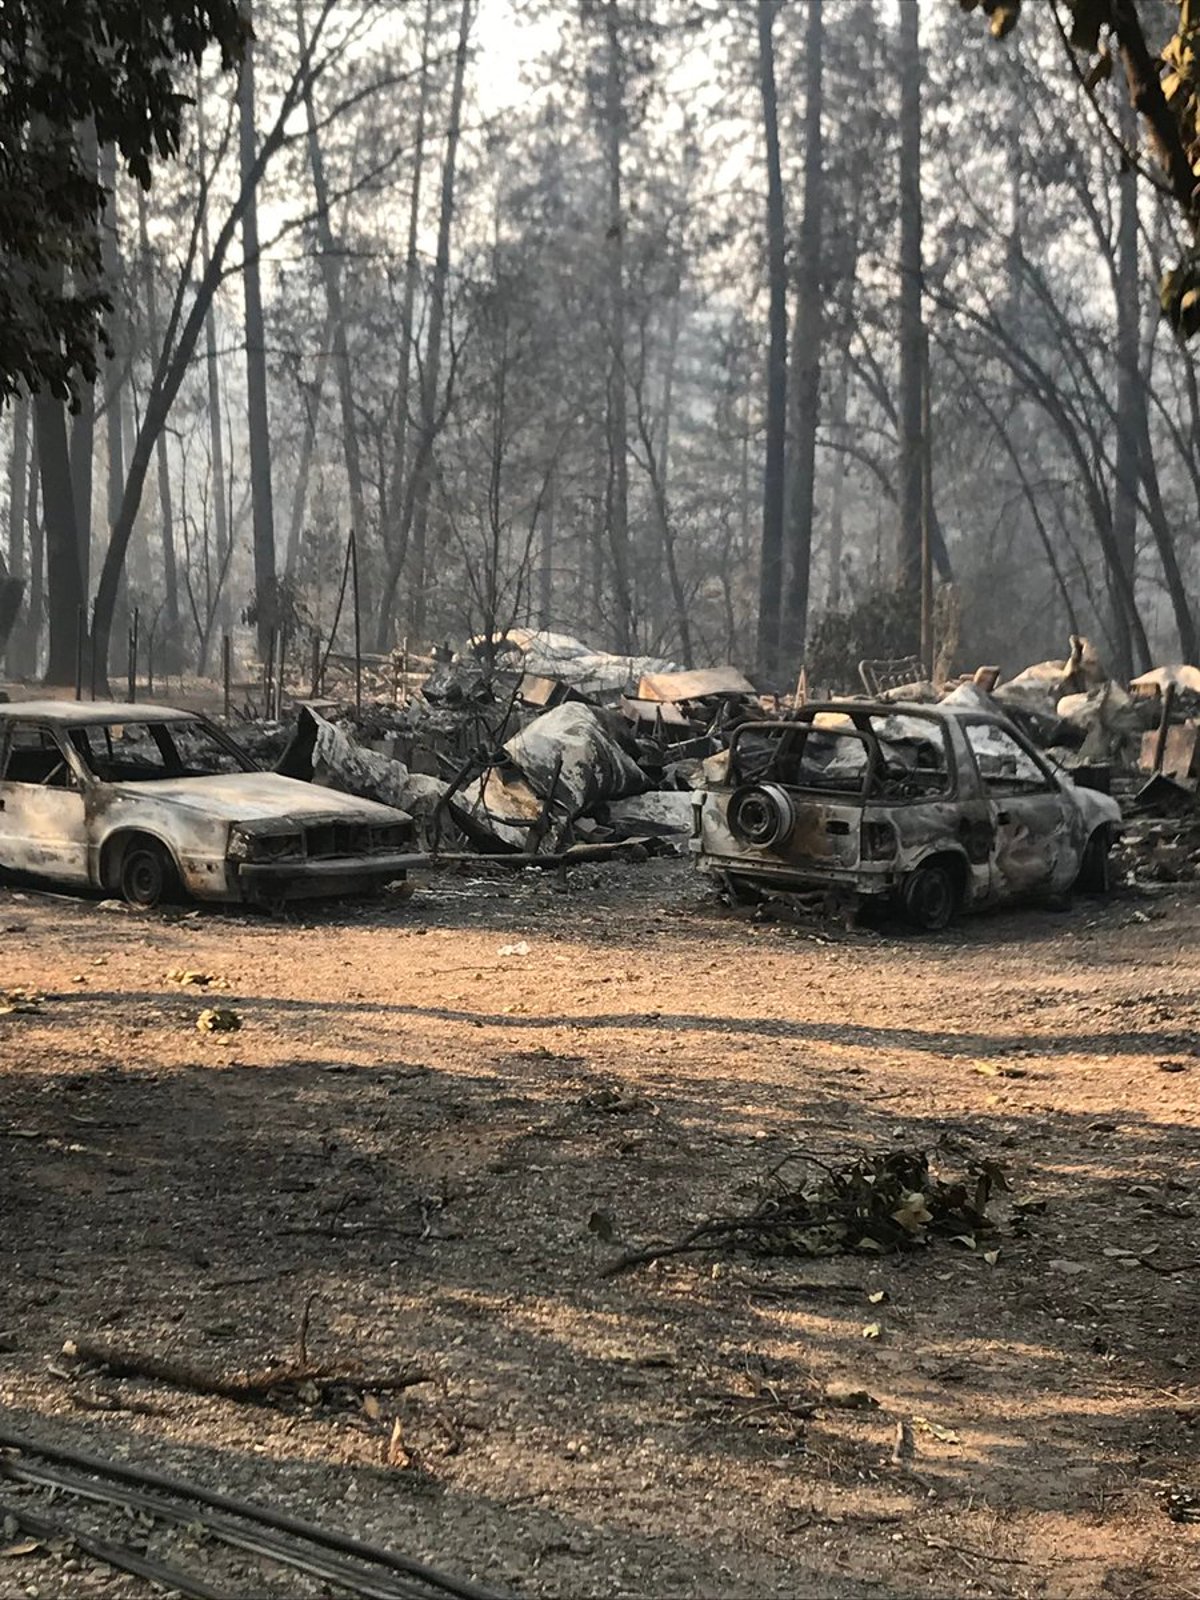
(1095,870)
(929,896)
(148,874)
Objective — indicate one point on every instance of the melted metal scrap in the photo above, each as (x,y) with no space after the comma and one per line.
(562,766)
(320,753)
(541,653)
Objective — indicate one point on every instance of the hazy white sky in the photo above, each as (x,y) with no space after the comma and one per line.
(505,39)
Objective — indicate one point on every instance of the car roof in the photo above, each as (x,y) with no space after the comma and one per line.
(85,713)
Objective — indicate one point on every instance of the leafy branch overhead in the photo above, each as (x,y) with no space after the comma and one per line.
(109,67)
(1164,88)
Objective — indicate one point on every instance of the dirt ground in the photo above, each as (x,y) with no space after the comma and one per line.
(412,1132)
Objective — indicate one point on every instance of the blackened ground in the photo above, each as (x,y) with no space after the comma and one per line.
(428,1103)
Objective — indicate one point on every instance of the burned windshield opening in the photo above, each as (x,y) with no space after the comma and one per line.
(143,752)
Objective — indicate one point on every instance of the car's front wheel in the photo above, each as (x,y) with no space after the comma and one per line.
(147,873)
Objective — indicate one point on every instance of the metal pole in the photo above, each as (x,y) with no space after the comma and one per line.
(133,655)
(92,656)
(927,642)
(268,674)
(357,627)
(316,664)
(80,624)
(226,668)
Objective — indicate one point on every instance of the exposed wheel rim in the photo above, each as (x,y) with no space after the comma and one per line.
(142,878)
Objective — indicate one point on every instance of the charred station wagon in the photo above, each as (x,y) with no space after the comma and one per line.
(146,801)
(941,808)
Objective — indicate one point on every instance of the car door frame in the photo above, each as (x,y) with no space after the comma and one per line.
(1044,813)
(72,862)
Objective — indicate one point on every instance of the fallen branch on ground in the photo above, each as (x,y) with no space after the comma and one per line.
(256,1388)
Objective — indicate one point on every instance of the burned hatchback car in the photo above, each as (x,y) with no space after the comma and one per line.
(940,808)
(148,802)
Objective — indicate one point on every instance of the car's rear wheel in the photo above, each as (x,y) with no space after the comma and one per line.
(929,897)
(148,874)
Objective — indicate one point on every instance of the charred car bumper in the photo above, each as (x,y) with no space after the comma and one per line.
(872,882)
(308,880)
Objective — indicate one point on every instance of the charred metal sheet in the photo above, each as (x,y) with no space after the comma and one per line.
(1177,758)
(700,685)
(653,713)
(542,693)
(563,765)
(320,753)
(661,811)
(593,673)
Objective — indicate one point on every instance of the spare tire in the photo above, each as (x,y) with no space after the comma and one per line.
(761,815)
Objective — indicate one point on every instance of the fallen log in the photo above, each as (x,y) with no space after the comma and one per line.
(255,1388)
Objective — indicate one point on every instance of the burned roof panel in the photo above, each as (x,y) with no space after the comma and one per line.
(79,713)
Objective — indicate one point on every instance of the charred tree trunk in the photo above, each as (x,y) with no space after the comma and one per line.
(258,419)
(63,576)
(770,583)
(332,279)
(118,333)
(616,502)
(545,606)
(1156,512)
(17,652)
(837,499)
(433,350)
(83,421)
(172,654)
(663,556)
(308,445)
(1124,517)
(212,368)
(395,531)
(82,446)
(806,356)
(911,325)
(36,528)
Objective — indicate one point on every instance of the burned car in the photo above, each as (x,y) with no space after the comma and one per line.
(939,808)
(149,802)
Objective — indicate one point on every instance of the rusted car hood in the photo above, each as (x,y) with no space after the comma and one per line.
(256,797)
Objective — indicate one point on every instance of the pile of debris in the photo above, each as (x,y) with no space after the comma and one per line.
(530,744)
(873,1204)
(588,750)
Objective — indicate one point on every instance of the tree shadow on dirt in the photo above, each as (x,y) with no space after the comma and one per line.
(449,1219)
(956,1043)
